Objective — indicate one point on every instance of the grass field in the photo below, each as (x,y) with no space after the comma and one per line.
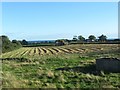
(70,66)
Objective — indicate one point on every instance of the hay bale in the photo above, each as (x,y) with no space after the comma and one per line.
(108,64)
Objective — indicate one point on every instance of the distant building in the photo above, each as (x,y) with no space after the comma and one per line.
(61,42)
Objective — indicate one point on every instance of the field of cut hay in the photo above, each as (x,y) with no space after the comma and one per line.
(69,66)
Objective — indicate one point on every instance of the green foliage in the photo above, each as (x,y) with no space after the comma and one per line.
(102,38)
(24,42)
(75,38)
(16,42)
(81,38)
(7,45)
(92,38)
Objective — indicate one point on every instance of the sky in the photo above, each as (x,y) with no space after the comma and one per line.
(58,20)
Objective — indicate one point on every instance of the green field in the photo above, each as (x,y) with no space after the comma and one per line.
(69,66)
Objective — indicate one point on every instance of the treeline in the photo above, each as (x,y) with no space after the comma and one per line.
(8,45)
(102,39)
(93,39)
(90,38)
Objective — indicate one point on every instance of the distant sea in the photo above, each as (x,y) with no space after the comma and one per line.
(40,41)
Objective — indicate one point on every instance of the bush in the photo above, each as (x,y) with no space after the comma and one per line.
(7,45)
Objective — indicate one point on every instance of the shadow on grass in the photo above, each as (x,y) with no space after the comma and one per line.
(91,69)
(15,59)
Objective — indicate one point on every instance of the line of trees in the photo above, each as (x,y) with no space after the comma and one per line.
(102,39)
(8,45)
(91,38)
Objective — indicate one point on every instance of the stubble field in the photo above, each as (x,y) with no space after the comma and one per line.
(70,66)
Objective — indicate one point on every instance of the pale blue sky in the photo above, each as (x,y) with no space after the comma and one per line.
(50,20)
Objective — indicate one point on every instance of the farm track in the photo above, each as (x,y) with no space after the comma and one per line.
(40,51)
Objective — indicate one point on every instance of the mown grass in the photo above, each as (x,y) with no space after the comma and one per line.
(59,71)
